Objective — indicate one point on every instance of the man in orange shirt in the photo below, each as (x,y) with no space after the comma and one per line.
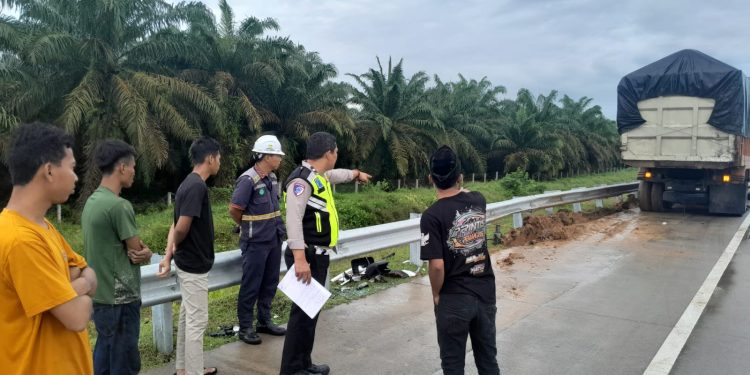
(45,287)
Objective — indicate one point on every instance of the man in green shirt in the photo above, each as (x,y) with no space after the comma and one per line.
(114,250)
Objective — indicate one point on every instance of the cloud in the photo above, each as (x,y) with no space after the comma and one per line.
(578,47)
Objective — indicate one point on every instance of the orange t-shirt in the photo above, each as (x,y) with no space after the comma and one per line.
(34,278)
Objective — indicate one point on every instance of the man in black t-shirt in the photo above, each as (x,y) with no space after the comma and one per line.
(460,269)
(191,243)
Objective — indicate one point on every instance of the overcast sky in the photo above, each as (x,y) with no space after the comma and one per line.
(578,47)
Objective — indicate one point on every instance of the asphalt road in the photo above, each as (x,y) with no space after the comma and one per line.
(600,304)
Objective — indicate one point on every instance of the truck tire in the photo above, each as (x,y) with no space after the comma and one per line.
(657,197)
(644,196)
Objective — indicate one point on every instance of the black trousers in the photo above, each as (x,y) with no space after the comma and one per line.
(300,331)
(260,276)
(459,316)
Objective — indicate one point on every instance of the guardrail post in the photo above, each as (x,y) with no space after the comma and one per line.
(414,247)
(599,202)
(416,184)
(550,210)
(59,213)
(356,186)
(517,220)
(577,205)
(161,319)
(497,173)
(472,177)
(485,177)
(334,188)
(169,198)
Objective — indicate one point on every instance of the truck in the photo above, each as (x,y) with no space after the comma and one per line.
(684,122)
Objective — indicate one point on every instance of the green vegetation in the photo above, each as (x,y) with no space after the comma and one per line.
(158,74)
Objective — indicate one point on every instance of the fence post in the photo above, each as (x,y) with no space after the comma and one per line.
(334,188)
(496,174)
(485,177)
(356,186)
(59,214)
(472,177)
(161,318)
(169,198)
(416,184)
(414,247)
(399,184)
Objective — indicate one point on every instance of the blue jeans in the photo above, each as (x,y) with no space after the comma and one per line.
(459,316)
(118,328)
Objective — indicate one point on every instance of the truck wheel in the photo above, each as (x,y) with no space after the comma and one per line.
(657,194)
(644,196)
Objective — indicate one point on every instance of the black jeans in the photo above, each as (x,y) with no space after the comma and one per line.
(459,316)
(300,331)
(118,328)
(260,276)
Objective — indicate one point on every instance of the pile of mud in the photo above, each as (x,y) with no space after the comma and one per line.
(562,225)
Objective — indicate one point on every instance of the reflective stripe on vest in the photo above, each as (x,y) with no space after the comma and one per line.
(261,217)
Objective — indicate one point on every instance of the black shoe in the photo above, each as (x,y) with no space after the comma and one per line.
(319,369)
(249,336)
(270,329)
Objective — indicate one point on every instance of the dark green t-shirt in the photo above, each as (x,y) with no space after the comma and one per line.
(108,221)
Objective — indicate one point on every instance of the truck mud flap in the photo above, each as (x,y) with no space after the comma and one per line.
(727,199)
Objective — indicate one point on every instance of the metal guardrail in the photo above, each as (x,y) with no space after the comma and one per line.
(227,269)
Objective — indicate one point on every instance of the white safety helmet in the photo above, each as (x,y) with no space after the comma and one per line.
(268,144)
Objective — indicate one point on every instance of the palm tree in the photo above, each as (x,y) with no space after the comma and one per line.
(230,59)
(297,98)
(397,129)
(526,145)
(59,64)
(469,111)
(597,136)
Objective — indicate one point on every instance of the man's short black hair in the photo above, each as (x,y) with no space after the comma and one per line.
(111,152)
(202,147)
(34,145)
(445,168)
(318,144)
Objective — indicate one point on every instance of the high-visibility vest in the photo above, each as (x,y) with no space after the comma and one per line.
(320,222)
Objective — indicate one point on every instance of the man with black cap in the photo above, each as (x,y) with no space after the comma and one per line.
(460,270)
(312,229)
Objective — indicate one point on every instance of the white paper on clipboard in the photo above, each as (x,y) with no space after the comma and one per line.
(309,297)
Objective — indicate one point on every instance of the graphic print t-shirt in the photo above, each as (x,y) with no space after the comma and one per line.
(453,229)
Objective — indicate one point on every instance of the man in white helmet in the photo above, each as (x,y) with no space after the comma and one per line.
(255,207)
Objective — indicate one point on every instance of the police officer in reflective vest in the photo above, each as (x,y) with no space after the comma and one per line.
(255,207)
(313,226)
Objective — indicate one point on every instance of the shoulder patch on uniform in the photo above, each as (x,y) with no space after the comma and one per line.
(425,240)
(298,189)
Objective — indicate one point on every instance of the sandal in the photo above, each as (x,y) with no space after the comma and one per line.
(212,372)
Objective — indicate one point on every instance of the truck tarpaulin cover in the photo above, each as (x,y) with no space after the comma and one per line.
(687,73)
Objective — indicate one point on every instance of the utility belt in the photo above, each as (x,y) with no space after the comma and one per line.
(261,217)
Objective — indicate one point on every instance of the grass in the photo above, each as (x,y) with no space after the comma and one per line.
(370,204)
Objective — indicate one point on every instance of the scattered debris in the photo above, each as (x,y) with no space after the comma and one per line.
(225,331)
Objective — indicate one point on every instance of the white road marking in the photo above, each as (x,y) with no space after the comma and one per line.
(665,358)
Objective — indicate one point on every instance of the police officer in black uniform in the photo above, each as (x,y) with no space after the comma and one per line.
(255,207)
(313,226)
